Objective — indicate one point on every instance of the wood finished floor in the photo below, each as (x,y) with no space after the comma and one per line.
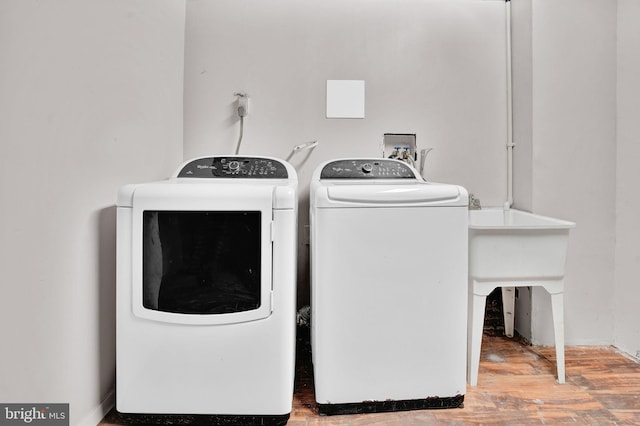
(516,386)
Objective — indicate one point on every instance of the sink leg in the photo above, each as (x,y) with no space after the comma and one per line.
(557,306)
(508,307)
(477,322)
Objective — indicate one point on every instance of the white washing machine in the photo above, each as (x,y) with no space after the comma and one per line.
(206,284)
(388,288)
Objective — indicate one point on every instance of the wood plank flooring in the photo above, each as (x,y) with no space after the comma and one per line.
(516,386)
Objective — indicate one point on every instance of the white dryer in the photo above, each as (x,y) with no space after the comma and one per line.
(206,280)
(388,288)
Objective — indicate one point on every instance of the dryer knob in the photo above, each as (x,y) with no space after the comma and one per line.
(367,167)
(234,165)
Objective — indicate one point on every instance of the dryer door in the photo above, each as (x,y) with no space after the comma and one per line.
(202,254)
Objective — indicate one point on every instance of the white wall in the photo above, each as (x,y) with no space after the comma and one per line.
(570,142)
(627,286)
(432,67)
(449,89)
(522,68)
(91,100)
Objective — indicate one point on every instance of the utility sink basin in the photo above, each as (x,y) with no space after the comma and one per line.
(515,245)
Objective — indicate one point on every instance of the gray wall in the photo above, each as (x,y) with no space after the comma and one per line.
(91,99)
(627,272)
(436,68)
(566,147)
(522,67)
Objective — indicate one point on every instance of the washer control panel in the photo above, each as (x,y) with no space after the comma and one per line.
(234,167)
(367,169)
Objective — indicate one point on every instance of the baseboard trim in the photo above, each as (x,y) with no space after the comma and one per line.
(98,413)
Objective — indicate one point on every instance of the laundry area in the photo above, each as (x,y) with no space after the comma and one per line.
(320,212)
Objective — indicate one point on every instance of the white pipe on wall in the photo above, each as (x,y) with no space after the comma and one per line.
(510,143)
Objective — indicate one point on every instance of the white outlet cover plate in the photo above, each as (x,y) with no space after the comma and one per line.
(345,98)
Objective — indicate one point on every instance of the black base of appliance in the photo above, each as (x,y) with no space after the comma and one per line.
(386,406)
(201,419)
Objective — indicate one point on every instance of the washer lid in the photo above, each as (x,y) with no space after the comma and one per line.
(395,194)
(387,194)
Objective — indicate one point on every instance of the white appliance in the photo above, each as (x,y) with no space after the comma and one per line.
(388,288)
(206,285)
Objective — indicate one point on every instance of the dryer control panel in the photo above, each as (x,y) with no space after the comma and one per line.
(234,167)
(367,169)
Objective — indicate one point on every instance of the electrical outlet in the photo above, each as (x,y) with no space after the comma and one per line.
(243,104)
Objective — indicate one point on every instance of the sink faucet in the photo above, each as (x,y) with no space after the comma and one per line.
(474,203)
